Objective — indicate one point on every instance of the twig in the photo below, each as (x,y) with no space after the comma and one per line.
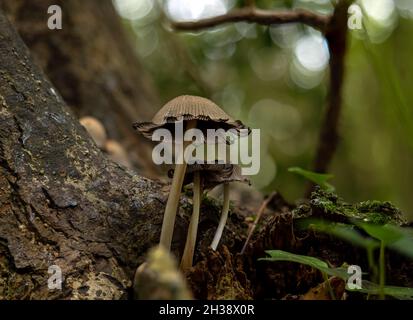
(259,214)
(263,17)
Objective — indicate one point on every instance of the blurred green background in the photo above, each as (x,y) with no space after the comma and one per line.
(276,79)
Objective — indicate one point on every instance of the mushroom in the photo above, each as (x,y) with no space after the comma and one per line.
(230,175)
(117,153)
(158,278)
(196,112)
(96,130)
(207,176)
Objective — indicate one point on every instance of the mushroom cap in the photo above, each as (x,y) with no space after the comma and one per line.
(95,129)
(213,174)
(117,153)
(185,108)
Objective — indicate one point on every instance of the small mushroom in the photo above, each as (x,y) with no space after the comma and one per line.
(196,112)
(207,176)
(117,153)
(230,175)
(188,254)
(158,278)
(96,130)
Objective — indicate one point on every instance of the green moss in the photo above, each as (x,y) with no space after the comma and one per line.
(211,203)
(380,212)
(187,190)
(328,203)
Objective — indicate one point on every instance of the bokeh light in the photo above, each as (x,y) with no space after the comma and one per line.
(311,51)
(379,10)
(285,35)
(380,18)
(148,40)
(222,52)
(405,8)
(186,10)
(267,64)
(231,98)
(246,30)
(280,121)
(319,6)
(311,57)
(238,65)
(268,171)
(133,9)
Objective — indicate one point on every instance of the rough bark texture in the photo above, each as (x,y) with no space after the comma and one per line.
(92,64)
(62,202)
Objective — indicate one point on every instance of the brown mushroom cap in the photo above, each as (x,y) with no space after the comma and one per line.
(185,108)
(213,174)
(117,153)
(95,129)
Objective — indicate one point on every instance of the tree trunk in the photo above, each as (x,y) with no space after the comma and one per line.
(91,63)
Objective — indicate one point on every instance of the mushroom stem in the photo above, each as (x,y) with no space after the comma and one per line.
(188,254)
(223,220)
(174,195)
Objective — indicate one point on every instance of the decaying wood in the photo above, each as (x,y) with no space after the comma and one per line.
(247,277)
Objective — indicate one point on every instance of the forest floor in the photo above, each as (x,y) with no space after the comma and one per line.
(326,228)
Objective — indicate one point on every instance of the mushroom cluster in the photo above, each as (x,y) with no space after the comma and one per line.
(206,177)
(203,114)
(112,148)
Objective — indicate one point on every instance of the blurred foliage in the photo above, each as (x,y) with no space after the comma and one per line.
(317,178)
(276,79)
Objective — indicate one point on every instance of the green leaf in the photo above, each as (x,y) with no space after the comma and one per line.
(318,178)
(402,293)
(405,244)
(397,238)
(367,286)
(386,233)
(342,231)
(279,255)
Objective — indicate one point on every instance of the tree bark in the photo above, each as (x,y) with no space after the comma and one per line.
(62,202)
(93,65)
